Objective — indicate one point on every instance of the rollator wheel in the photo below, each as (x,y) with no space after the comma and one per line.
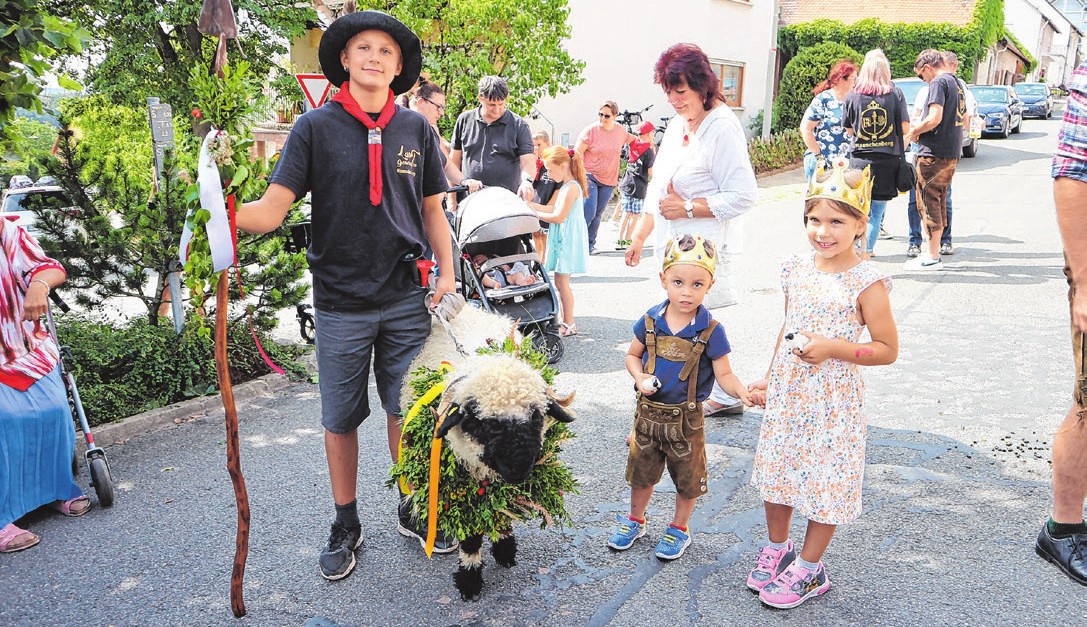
(100,479)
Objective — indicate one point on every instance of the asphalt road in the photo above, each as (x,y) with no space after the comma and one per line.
(957,482)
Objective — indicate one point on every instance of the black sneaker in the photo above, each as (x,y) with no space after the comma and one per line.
(338,559)
(443,542)
(913,250)
(1068,554)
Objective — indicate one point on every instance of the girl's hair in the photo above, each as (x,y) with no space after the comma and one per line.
(541,135)
(686,63)
(852,178)
(610,105)
(874,77)
(557,155)
(841,70)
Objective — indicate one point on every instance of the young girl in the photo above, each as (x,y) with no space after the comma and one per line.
(568,239)
(810,455)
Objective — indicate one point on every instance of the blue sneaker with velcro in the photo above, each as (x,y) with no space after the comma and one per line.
(627,532)
(673,544)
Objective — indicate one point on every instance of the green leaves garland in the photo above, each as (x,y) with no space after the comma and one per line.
(467,506)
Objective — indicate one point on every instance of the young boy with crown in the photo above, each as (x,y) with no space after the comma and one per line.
(374,170)
(677,352)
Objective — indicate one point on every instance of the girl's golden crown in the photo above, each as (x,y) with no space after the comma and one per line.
(858,196)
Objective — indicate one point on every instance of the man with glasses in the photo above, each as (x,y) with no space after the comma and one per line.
(939,146)
(493,146)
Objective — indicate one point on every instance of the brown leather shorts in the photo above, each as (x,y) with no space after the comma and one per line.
(672,436)
(933,179)
(1079,350)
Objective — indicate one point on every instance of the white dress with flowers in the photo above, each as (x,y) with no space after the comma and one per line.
(811,446)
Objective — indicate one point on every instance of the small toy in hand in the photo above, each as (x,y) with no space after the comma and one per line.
(795,339)
(653,382)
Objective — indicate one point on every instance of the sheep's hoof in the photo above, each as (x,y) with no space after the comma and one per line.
(505,551)
(469,582)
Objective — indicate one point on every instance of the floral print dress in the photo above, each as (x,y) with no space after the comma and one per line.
(811,446)
(830,131)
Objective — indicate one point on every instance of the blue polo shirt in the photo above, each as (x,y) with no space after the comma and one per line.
(673,391)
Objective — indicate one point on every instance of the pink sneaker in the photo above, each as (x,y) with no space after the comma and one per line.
(770,564)
(794,585)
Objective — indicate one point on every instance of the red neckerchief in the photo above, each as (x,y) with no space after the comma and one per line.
(539,165)
(637,148)
(350,105)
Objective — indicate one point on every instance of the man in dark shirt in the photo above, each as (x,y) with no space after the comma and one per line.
(492,145)
(374,172)
(939,139)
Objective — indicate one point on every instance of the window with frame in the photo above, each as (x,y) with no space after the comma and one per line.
(731,74)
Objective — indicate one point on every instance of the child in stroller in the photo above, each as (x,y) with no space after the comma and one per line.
(517,273)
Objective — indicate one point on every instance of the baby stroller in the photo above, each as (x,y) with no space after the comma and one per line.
(95,456)
(495,223)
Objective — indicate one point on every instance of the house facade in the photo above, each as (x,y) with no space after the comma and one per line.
(620,42)
(1050,36)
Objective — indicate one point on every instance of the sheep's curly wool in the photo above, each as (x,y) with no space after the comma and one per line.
(474,502)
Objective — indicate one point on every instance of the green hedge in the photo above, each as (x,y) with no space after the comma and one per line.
(122,370)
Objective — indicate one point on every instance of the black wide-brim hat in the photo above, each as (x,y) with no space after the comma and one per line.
(347,26)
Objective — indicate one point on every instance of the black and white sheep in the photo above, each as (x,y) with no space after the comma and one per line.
(497,409)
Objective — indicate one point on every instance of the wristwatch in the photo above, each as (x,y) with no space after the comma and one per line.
(689,206)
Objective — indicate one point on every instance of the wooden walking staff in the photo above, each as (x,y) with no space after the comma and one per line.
(217,19)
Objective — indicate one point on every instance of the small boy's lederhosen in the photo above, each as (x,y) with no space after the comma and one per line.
(671,433)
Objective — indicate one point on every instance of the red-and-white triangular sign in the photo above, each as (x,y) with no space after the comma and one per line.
(315,86)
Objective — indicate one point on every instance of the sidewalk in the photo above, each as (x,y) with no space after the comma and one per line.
(956,487)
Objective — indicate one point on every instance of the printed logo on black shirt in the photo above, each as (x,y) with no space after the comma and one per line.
(876,126)
(407,161)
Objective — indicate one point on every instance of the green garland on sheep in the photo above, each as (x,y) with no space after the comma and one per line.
(467,506)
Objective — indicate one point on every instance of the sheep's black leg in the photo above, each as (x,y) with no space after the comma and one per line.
(469,576)
(505,550)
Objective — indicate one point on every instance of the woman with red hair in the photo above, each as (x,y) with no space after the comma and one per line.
(702,178)
(822,129)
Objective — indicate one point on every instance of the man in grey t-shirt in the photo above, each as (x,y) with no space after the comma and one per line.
(492,145)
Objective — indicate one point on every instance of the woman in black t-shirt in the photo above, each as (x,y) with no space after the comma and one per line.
(876,114)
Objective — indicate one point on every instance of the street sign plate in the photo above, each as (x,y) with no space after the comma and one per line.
(315,86)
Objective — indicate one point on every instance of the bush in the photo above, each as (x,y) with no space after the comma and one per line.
(123,370)
(776,151)
(801,75)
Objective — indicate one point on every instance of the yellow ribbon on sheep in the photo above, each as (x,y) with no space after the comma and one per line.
(435,458)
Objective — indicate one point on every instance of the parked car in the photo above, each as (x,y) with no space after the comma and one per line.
(971,133)
(16,205)
(1001,107)
(20,181)
(1037,99)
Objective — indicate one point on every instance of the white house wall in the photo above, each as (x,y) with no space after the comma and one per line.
(620,42)
(1027,20)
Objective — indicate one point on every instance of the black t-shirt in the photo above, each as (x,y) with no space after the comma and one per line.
(946,139)
(356,251)
(491,152)
(636,178)
(877,121)
(545,186)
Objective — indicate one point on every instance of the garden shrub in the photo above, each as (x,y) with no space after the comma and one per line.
(801,75)
(125,369)
(777,151)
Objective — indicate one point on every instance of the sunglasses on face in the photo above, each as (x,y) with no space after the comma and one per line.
(606,116)
(440,107)
(921,71)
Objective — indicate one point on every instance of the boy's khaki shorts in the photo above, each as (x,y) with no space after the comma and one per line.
(669,435)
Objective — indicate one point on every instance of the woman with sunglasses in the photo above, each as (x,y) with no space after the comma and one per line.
(428,99)
(599,145)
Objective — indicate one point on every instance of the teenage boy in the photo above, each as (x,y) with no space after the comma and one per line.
(374,172)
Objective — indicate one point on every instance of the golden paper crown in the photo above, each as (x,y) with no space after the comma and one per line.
(701,254)
(835,187)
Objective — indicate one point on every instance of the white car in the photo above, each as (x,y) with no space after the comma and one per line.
(971,133)
(15,207)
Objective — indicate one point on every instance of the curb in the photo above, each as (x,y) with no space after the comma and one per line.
(115,432)
(788,168)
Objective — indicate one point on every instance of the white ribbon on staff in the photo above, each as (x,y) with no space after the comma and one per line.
(220,239)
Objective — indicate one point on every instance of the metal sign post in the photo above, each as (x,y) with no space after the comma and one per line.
(161,119)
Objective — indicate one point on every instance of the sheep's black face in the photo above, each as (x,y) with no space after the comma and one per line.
(511,445)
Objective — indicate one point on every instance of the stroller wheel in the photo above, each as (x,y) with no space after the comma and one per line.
(549,343)
(306,327)
(100,479)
